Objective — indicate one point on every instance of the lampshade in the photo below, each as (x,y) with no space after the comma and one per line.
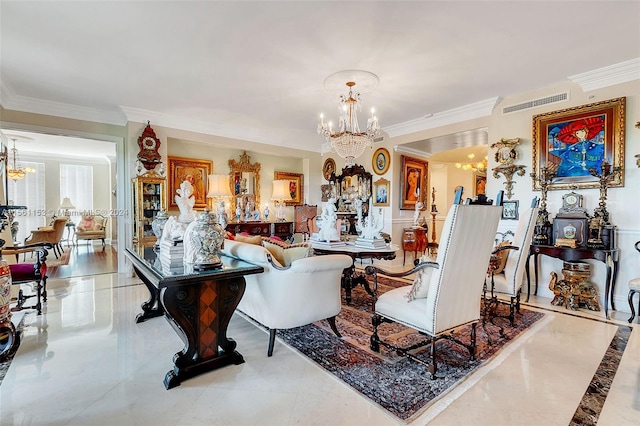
(219,186)
(67,204)
(281,190)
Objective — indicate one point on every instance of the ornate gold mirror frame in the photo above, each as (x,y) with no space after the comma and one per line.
(235,176)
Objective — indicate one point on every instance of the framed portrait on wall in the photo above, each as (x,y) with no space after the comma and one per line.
(571,142)
(193,170)
(413,182)
(479,184)
(510,210)
(296,186)
(381,192)
(380,161)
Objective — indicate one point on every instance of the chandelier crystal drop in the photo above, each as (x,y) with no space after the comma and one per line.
(480,166)
(348,141)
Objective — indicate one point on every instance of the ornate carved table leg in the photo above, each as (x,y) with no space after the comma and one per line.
(200,314)
(151,308)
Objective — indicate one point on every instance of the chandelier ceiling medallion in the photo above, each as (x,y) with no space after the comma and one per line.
(14,169)
(347,140)
(478,166)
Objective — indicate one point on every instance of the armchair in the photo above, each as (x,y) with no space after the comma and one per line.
(446,294)
(49,234)
(306,291)
(92,227)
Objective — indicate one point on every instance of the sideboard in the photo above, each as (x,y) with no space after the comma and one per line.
(283,230)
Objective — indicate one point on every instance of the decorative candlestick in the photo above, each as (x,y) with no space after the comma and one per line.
(543,226)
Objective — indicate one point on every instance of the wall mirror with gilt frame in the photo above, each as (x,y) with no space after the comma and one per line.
(244,179)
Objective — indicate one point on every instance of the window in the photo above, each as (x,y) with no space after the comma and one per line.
(76,182)
(29,192)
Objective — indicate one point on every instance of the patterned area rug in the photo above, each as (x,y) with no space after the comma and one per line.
(396,383)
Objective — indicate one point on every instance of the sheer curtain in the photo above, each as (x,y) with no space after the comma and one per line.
(76,183)
(29,192)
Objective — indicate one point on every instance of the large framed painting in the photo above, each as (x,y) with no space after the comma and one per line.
(193,170)
(413,182)
(296,186)
(573,143)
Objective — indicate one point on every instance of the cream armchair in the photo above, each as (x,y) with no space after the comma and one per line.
(446,294)
(285,297)
(92,227)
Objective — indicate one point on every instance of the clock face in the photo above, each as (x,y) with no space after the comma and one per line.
(149,143)
(571,199)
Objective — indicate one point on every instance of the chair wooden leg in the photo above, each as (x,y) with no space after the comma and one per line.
(633,311)
(272,340)
(332,324)
(472,348)
(432,353)
(44,289)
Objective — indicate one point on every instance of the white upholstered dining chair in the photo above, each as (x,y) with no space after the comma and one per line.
(508,282)
(446,294)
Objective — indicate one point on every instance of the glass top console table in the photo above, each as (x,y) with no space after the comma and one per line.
(197,304)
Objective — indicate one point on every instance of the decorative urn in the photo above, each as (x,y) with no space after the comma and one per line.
(207,238)
(158,225)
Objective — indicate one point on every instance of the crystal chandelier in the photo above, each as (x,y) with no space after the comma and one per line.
(480,166)
(14,171)
(348,141)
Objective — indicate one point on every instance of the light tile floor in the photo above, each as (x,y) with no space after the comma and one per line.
(85,361)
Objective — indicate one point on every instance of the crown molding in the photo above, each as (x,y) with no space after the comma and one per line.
(10,100)
(455,115)
(250,134)
(415,152)
(622,72)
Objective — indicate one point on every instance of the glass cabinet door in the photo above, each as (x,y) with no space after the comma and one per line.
(149,199)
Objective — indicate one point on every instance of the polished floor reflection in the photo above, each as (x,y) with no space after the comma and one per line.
(85,361)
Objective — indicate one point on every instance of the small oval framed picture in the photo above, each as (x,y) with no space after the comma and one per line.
(380,161)
(328,168)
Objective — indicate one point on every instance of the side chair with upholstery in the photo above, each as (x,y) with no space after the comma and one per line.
(49,234)
(34,271)
(92,227)
(446,294)
(508,281)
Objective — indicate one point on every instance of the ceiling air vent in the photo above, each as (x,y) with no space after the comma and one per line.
(378,139)
(560,97)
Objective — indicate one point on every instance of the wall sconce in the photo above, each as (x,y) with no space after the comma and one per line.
(506,155)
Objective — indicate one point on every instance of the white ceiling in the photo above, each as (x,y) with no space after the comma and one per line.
(255,70)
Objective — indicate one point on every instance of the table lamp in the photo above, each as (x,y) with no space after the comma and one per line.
(219,188)
(279,196)
(67,205)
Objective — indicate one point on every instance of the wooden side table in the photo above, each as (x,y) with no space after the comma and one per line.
(415,240)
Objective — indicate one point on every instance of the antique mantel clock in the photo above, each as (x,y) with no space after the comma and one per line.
(570,226)
(149,145)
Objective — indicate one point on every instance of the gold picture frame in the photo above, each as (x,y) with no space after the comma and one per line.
(479,184)
(413,182)
(571,141)
(329,168)
(381,193)
(381,161)
(180,169)
(296,186)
